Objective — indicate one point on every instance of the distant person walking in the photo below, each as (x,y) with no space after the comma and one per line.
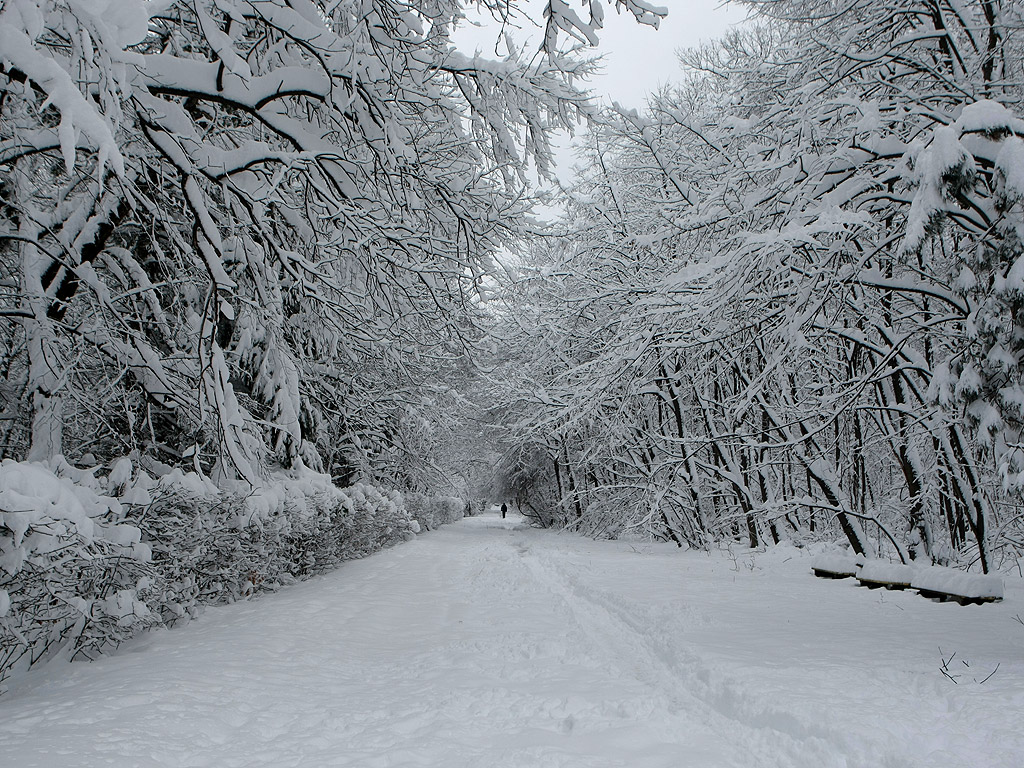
(504,509)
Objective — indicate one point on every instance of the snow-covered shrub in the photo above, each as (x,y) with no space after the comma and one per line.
(433,511)
(372,519)
(87,561)
(214,546)
(74,577)
(183,523)
(418,505)
(453,509)
(345,524)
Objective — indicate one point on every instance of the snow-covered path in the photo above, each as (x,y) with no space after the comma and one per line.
(488,645)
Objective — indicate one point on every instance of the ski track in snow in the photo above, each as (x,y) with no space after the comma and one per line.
(489,644)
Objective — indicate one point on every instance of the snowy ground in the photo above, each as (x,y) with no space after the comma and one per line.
(490,645)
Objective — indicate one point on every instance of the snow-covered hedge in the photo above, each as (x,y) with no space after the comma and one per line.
(74,575)
(211,545)
(87,561)
(434,511)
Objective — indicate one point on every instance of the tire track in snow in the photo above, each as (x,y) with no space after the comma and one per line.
(772,738)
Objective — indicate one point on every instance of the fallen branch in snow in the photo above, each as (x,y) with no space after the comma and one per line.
(944,667)
(955,677)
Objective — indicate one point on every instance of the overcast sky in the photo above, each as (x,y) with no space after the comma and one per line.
(637,58)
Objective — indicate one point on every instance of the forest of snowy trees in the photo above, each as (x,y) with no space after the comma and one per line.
(787,299)
(245,234)
(253,321)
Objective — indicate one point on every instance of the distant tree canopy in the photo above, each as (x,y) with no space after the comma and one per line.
(787,300)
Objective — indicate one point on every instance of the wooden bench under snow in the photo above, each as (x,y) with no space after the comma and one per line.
(945,584)
(931,581)
(835,566)
(881,573)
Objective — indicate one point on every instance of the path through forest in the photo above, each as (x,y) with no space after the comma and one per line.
(489,644)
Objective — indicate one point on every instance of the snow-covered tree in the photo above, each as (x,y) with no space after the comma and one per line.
(790,294)
(253,229)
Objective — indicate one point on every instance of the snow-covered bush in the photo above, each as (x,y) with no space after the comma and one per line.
(214,546)
(87,561)
(344,525)
(74,577)
(452,509)
(434,511)
(186,523)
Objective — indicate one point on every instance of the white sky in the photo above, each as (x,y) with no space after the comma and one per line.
(637,59)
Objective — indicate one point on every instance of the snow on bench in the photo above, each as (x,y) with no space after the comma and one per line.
(882,573)
(931,581)
(944,584)
(835,566)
